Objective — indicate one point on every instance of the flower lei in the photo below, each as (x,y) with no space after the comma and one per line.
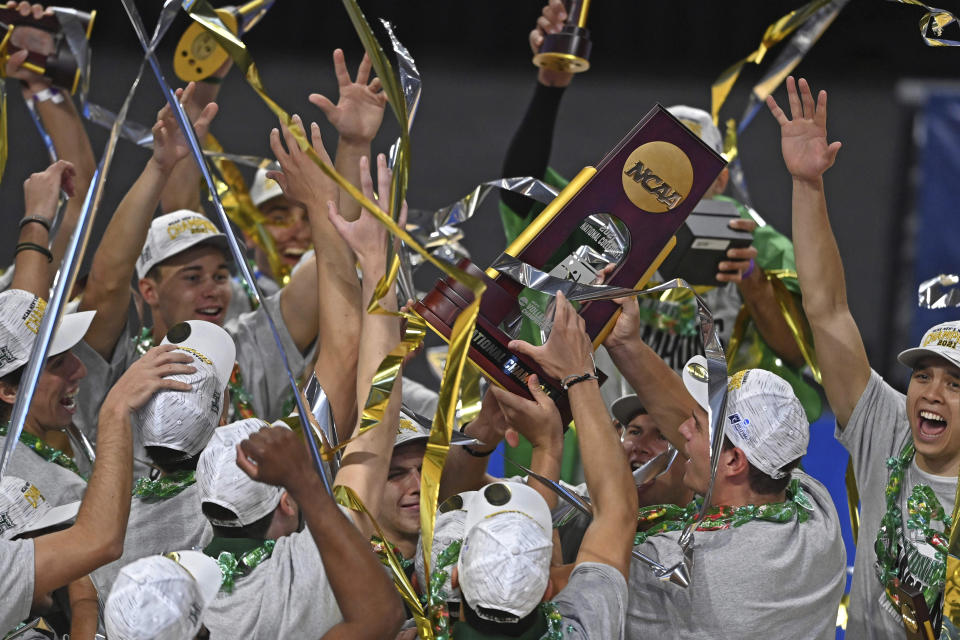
(554,621)
(240,399)
(380,548)
(674,518)
(436,598)
(45,451)
(923,509)
(165,486)
(231,566)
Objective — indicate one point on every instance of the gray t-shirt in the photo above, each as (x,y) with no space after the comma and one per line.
(261,365)
(57,484)
(594,603)
(878,430)
(16,582)
(753,581)
(286,596)
(157,526)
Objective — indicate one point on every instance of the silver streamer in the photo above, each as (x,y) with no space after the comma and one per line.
(323,412)
(942,292)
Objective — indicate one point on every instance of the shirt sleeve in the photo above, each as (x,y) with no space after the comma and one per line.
(876,426)
(16,582)
(260,360)
(594,602)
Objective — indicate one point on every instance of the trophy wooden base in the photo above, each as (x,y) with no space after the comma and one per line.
(488,345)
(567,51)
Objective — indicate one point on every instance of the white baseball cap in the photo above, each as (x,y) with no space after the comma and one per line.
(174,233)
(20,315)
(414,427)
(504,563)
(264,188)
(447,529)
(942,340)
(24,509)
(695,380)
(162,597)
(701,123)
(221,482)
(185,420)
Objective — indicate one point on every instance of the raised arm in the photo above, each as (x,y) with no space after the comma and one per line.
(357,117)
(108,287)
(368,601)
(96,537)
(659,388)
(41,192)
(366,460)
(568,353)
(466,472)
(807,155)
(336,296)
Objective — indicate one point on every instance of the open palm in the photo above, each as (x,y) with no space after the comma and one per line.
(359,111)
(806,152)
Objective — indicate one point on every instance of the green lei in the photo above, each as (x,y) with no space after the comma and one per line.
(165,486)
(380,548)
(45,451)
(923,509)
(232,566)
(674,518)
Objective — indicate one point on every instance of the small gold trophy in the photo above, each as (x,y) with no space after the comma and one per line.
(569,50)
(198,55)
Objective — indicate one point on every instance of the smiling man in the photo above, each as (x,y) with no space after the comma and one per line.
(905,450)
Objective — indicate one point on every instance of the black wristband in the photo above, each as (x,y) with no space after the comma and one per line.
(41,221)
(475,454)
(569,381)
(33,246)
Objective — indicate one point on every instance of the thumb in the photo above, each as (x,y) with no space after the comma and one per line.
(512,437)
(833,149)
(280,178)
(323,103)
(533,384)
(336,219)
(245,464)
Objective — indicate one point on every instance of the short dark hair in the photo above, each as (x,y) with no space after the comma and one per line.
(489,627)
(255,530)
(761,482)
(172,460)
(12,379)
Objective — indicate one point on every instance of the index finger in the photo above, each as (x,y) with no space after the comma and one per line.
(248,466)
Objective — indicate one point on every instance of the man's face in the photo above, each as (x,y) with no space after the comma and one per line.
(192,285)
(642,441)
(54,400)
(400,505)
(289,226)
(933,409)
(697,474)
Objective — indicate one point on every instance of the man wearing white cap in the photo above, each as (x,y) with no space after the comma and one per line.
(741,283)
(905,449)
(162,597)
(54,559)
(174,427)
(183,270)
(281,580)
(55,399)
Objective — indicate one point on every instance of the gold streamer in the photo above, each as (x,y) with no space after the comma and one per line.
(4,145)
(235,197)
(934,20)
(347,497)
(202,13)
(773,35)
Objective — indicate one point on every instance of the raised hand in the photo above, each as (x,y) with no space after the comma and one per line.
(300,178)
(627,327)
(803,139)
(359,111)
(366,236)
(274,455)
(41,191)
(568,351)
(551,20)
(148,375)
(537,420)
(169,142)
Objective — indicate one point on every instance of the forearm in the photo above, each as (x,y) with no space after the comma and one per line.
(761,303)
(347,163)
(368,601)
(546,460)
(84,609)
(182,190)
(32,271)
(819,267)
(464,472)
(659,388)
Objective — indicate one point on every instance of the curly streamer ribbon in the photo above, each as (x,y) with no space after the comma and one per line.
(201,12)
(935,20)
(347,497)
(941,292)
(73,256)
(773,35)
